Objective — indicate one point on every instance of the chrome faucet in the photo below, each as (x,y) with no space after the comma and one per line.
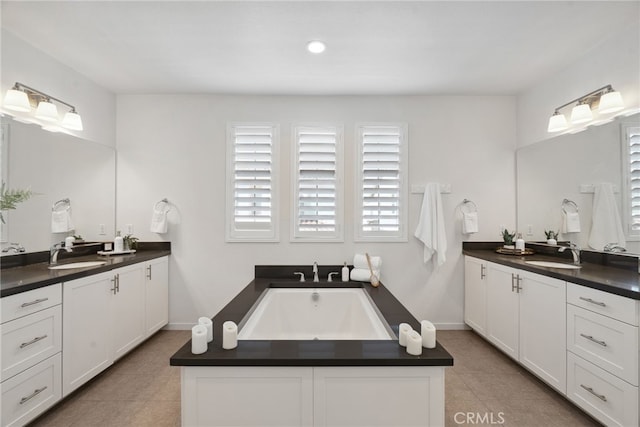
(315,272)
(614,247)
(53,252)
(575,251)
(16,247)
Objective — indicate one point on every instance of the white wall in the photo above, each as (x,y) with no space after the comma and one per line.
(174,146)
(24,63)
(616,61)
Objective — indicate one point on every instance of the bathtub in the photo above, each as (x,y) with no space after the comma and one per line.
(314,314)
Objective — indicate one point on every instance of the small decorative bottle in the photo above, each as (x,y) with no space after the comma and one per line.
(118,243)
(345,273)
(520,243)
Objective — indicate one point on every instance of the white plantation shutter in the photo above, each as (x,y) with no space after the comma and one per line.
(317,204)
(632,148)
(381,182)
(251,201)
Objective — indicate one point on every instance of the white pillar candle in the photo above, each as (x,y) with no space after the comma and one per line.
(414,343)
(428,332)
(198,339)
(229,335)
(205,321)
(403,331)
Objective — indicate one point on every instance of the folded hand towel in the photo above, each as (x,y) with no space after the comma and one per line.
(606,226)
(159,220)
(360,261)
(363,275)
(570,222)
(430,230)
(61,221)
(469,222)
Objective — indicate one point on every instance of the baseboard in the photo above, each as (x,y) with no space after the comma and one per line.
(178,326)
(451,326)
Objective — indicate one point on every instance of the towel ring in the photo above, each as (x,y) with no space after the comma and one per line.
(160,202)
(566,202)
(470,203)
(66,203)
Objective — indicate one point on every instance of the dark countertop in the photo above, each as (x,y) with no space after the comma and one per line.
(311,353)
(615,280)
(37,275)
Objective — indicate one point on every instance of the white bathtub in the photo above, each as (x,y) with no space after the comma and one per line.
(308,314)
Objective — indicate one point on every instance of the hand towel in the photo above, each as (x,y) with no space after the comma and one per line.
(363,274)
(469,222)
(360,261)
(570,222)
(159,220)
(61,221)
(430,230)
(606,226)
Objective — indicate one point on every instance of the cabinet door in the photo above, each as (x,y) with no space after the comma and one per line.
(156,294)
(502,308)
(87,342)
(542,323)
(475,294)
(128,309)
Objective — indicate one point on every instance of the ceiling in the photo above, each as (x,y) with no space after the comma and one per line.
(373,47)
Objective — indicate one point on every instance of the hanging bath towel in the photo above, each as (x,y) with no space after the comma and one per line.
(606,226)
(430,230)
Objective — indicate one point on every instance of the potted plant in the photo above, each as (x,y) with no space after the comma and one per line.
(9,199)
(552,237)
(507,237)
(130,242)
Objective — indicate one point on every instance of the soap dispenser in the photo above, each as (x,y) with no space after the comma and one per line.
(118,243)
(520,243)
(345,273)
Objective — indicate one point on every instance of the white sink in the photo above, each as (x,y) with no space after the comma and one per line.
(77,265)
(552,264)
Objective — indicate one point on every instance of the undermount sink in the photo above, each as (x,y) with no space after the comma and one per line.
(84,264)
(552,264)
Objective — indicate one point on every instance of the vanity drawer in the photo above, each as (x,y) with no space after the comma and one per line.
(606,397)
(32,392)
(610,344)
(615,306)
(29,340)
(19,305)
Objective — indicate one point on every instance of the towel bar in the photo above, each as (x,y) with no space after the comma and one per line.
(566,202)
(60,203)
(160,202)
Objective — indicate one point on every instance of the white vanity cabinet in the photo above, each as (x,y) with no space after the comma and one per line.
(475,294)
(31,332)
(502,308)
(156,294)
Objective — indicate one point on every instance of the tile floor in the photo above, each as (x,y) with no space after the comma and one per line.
(143,390)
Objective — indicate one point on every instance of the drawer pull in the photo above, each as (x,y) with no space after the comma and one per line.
(37,301)
(601,304)
(591,338)
(33,341)
(483,272)
(590,390)
(32,395)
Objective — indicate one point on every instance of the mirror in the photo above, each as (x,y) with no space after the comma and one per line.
(56,166)
(553,170)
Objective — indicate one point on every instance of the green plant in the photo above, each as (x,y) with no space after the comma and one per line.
(9,198)
(551,234)
(508,237)
(130,242)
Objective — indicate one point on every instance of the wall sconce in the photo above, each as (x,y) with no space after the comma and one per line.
(23,99)
(605,99)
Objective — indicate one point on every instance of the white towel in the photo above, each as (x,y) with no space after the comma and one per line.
(159,220)
(61,221)
(360,261)
(570,222)
(363,275)
(606,226)
(469,222)
(430,230)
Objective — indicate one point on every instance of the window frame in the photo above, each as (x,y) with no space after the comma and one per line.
(232,234)
(626,128)
(401,235)
(337,235)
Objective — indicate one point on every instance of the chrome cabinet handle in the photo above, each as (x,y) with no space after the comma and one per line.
(114,289)
(590,390)
(601,304)
(118,282)
(591,338)
(32,395)
(37,301)
(149,272)
(33,341)
(518,280)
(483,271)
(513,285)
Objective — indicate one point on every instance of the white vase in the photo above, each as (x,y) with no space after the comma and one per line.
(552,242)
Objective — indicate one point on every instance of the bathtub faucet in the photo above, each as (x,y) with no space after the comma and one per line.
(315,272)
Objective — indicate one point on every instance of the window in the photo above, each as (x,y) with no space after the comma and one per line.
(631,180)
(381,207)
(251,182)
(317,184)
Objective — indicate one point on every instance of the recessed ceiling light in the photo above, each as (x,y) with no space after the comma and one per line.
(316,46)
